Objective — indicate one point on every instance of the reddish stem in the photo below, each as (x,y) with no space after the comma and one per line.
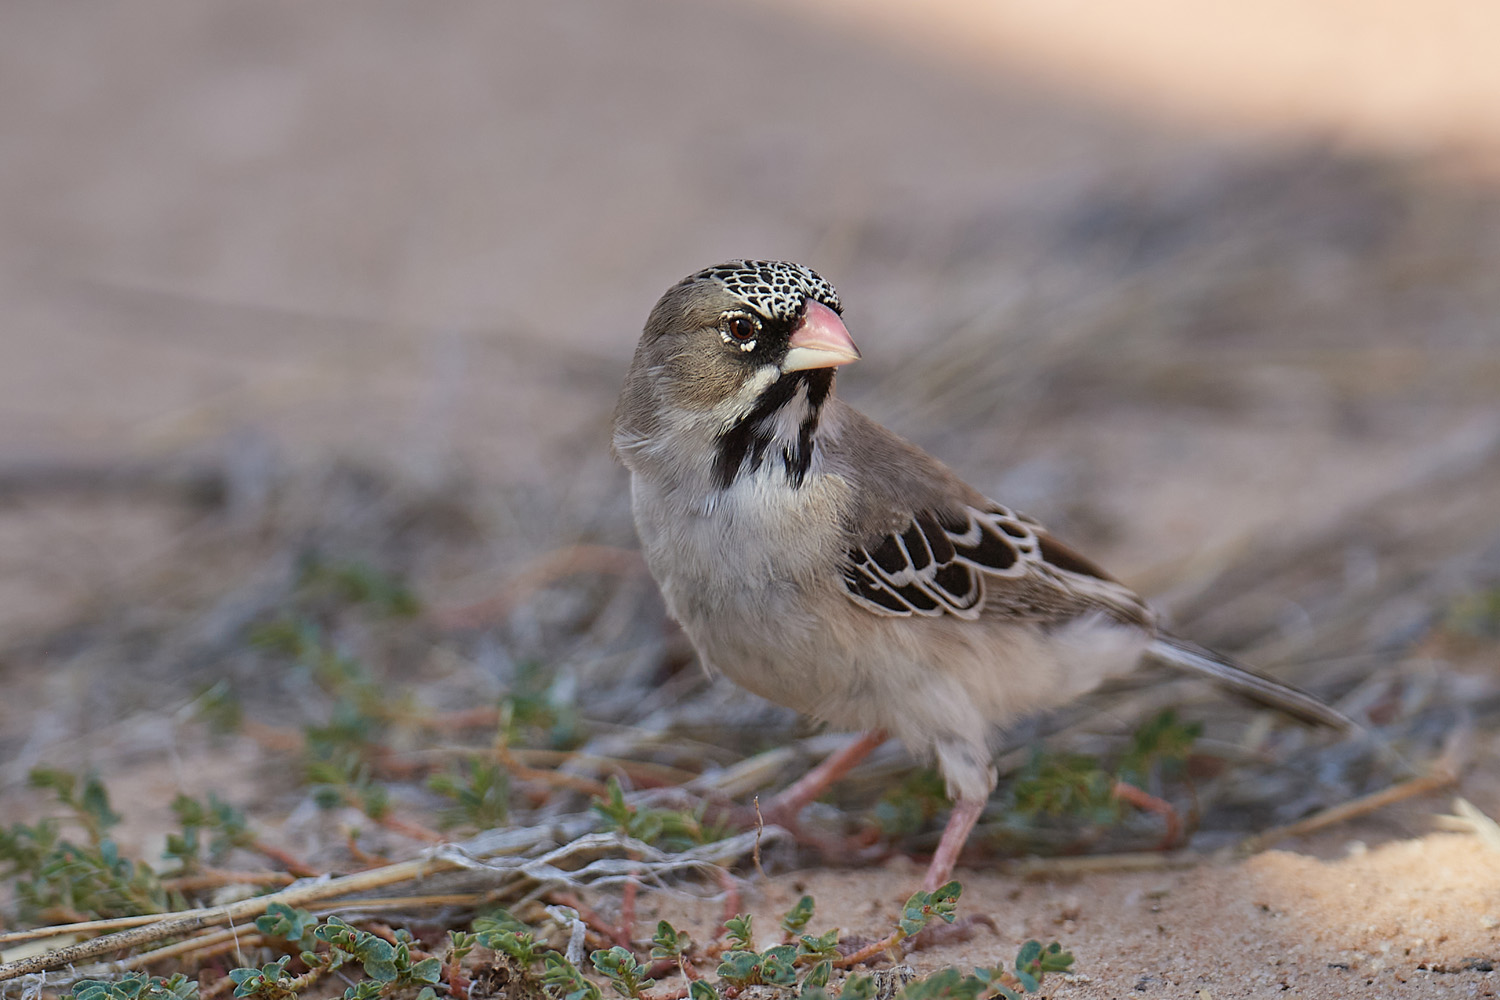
(298,868)
(1141,799)
(624,934)
(731,900)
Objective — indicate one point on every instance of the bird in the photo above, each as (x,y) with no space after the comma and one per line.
(820,561)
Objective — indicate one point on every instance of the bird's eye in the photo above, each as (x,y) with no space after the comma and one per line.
(740,331)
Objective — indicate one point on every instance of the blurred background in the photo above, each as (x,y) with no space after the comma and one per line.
(1213,290)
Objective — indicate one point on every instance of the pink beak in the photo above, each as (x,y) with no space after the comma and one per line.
(819,340)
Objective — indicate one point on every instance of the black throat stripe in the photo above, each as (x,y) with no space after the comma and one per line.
(746,441)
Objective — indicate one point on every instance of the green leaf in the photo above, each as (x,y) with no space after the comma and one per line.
(798,916)
(739,967)
(460,943)
(624,973)
(138,986)
(858,988)
(565,981)
(945,984)
(428,970)
(381,970)
(367,990)
(498,920)
(519,945)
(919,910)
(823,946)
(776,965)
(700,989)
(1065,785)
(269,982)
(291,924)
(740,931)
(668,942)
(1054,959)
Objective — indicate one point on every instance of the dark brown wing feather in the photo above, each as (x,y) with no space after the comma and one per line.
(981,560)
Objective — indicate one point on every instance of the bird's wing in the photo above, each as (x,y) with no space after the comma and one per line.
(972,561)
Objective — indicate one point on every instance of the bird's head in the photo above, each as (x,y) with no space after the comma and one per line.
(745,349)
(731,331)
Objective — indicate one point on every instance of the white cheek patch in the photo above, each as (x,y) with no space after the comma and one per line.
(738,406)
(787,421)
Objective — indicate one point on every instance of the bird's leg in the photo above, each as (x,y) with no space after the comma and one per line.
(783,809)
(960,822)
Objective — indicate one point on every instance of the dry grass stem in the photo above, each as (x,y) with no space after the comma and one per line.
(1088,864)
(1468,818)
(1440,777)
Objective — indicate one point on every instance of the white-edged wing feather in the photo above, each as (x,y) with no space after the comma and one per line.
(977,560)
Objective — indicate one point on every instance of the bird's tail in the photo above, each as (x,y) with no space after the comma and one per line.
(1243,681)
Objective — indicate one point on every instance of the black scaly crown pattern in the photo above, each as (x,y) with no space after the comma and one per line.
(776,289)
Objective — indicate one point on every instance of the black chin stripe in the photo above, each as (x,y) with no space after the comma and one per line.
(747,440)
(799,458)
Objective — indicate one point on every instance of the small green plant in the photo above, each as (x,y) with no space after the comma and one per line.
(666,828)
(358,583)
(87,798)
(345,779)
(772,967)
(1082,786)
(1163,742)
(332,944)
(913,804)
(1032,963)
(460,943)
(136,986)
(269,982)
(381,960)
(808,956)
(1066,785)
(741,931)
(52,873)
(292,925)
(509,936)
(622,970)
(797,918)
(480,793)
(922,907)
(669,944)
(225,826)
(564,981)
(534,711)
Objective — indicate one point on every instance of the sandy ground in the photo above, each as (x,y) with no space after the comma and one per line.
(277,234)
(1373,923)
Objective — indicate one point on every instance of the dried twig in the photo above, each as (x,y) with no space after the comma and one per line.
(233,936)
(1445,771)
(1089,864)
(1468,818)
